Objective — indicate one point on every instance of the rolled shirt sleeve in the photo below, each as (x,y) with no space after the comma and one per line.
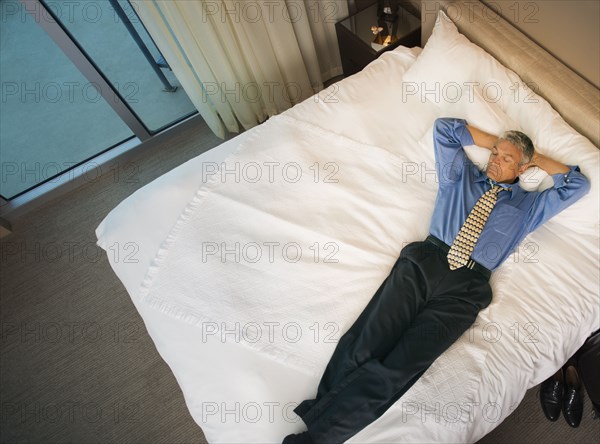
(568,188)
(450,135)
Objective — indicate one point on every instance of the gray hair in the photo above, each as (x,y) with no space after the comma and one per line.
(522,142)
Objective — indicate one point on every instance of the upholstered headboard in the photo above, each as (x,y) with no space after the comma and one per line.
(577,100)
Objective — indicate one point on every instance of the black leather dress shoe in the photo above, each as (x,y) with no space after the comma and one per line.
(551,395)
(572,399)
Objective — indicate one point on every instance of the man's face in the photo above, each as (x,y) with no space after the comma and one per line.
(503,166)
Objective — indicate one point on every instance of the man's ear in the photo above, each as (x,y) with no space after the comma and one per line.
(524,167)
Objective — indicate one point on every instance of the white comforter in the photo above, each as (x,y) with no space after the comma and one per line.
(244,390)
(290,239)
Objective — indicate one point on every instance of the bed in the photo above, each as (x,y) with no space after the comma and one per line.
(267,247)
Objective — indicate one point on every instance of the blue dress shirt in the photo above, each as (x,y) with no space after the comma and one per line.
(517,212)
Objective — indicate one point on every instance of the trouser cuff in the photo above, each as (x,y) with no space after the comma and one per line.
(302,409)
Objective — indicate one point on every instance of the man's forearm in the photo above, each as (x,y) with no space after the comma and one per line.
(481,138)
(549,165)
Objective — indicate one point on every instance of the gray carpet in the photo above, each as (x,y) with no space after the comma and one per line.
(77,364)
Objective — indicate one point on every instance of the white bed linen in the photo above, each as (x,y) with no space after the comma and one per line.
(225,378)
(304,245)
(205,371)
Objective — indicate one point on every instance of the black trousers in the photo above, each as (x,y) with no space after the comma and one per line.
(419,310)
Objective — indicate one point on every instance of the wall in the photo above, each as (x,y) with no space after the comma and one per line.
(568,29)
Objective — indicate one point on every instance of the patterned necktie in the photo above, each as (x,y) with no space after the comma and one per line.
(463,245)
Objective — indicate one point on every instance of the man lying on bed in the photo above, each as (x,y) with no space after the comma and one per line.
(436,287)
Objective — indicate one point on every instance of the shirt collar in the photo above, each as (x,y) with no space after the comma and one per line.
(511,188)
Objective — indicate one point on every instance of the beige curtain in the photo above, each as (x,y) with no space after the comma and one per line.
(245,60)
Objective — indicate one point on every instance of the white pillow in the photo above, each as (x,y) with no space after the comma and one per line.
(449,62)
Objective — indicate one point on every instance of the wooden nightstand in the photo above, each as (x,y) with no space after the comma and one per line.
(358,45)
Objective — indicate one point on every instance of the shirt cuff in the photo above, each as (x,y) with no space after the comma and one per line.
(562,179)
(464,135)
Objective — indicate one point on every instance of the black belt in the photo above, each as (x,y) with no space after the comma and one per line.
(471,265)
